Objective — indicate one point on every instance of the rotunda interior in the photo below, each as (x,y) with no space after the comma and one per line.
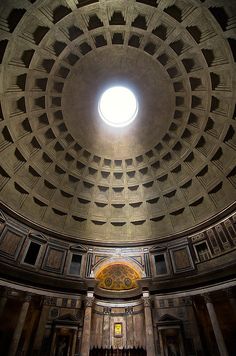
(117,237)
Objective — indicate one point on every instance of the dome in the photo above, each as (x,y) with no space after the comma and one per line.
(169,172)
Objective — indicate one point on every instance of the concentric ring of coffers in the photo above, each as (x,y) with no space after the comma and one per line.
(185,178)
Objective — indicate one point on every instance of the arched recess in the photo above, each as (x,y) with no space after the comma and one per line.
(118,274)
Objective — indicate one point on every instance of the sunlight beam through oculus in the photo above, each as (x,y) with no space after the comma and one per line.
(118,106)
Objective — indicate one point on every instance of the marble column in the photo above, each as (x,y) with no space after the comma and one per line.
(129,328)
(53,344)
(41,327)
(106,328)
(3,300)
(78,341)
(150,344)
(85,344)
(74,342)
(19,327)
(215,325)
(232,299)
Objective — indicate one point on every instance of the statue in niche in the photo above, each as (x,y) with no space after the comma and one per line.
(172,346)
(62,346)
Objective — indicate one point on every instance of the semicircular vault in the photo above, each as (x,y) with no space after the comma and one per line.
(117,277)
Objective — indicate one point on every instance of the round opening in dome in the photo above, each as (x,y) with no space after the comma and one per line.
(118,106)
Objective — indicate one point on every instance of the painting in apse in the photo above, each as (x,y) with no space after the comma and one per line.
(117,276)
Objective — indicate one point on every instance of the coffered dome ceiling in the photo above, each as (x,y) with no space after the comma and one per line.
(169,171)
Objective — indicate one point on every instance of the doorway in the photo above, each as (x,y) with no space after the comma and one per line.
(171,336)
(64,336)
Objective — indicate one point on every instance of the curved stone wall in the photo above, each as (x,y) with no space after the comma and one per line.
(33,257)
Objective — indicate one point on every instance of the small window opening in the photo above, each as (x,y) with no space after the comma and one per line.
(32,253)
(75,265)
(160,264)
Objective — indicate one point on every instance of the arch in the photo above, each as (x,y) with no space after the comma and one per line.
(121,260)
(117,274)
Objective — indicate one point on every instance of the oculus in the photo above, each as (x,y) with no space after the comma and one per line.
(118,106)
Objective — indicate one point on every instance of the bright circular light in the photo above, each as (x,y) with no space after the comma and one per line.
(118,106)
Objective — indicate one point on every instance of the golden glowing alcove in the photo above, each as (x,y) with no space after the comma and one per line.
(117,276)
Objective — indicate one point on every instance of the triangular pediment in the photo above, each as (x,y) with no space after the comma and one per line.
(2,217)
(66,317)
(38,236)
(78,248)
(157,248)
(168,317)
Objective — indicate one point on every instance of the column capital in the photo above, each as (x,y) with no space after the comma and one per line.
(89,301)
(9,292)
(28,297)
(4,292)
(146,301)
(207,297)
(229,292)
(106,311)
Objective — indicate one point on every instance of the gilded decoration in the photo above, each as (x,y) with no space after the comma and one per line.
(118,330)
(118,276)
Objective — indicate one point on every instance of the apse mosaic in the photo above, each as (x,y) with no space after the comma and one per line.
(118,277)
